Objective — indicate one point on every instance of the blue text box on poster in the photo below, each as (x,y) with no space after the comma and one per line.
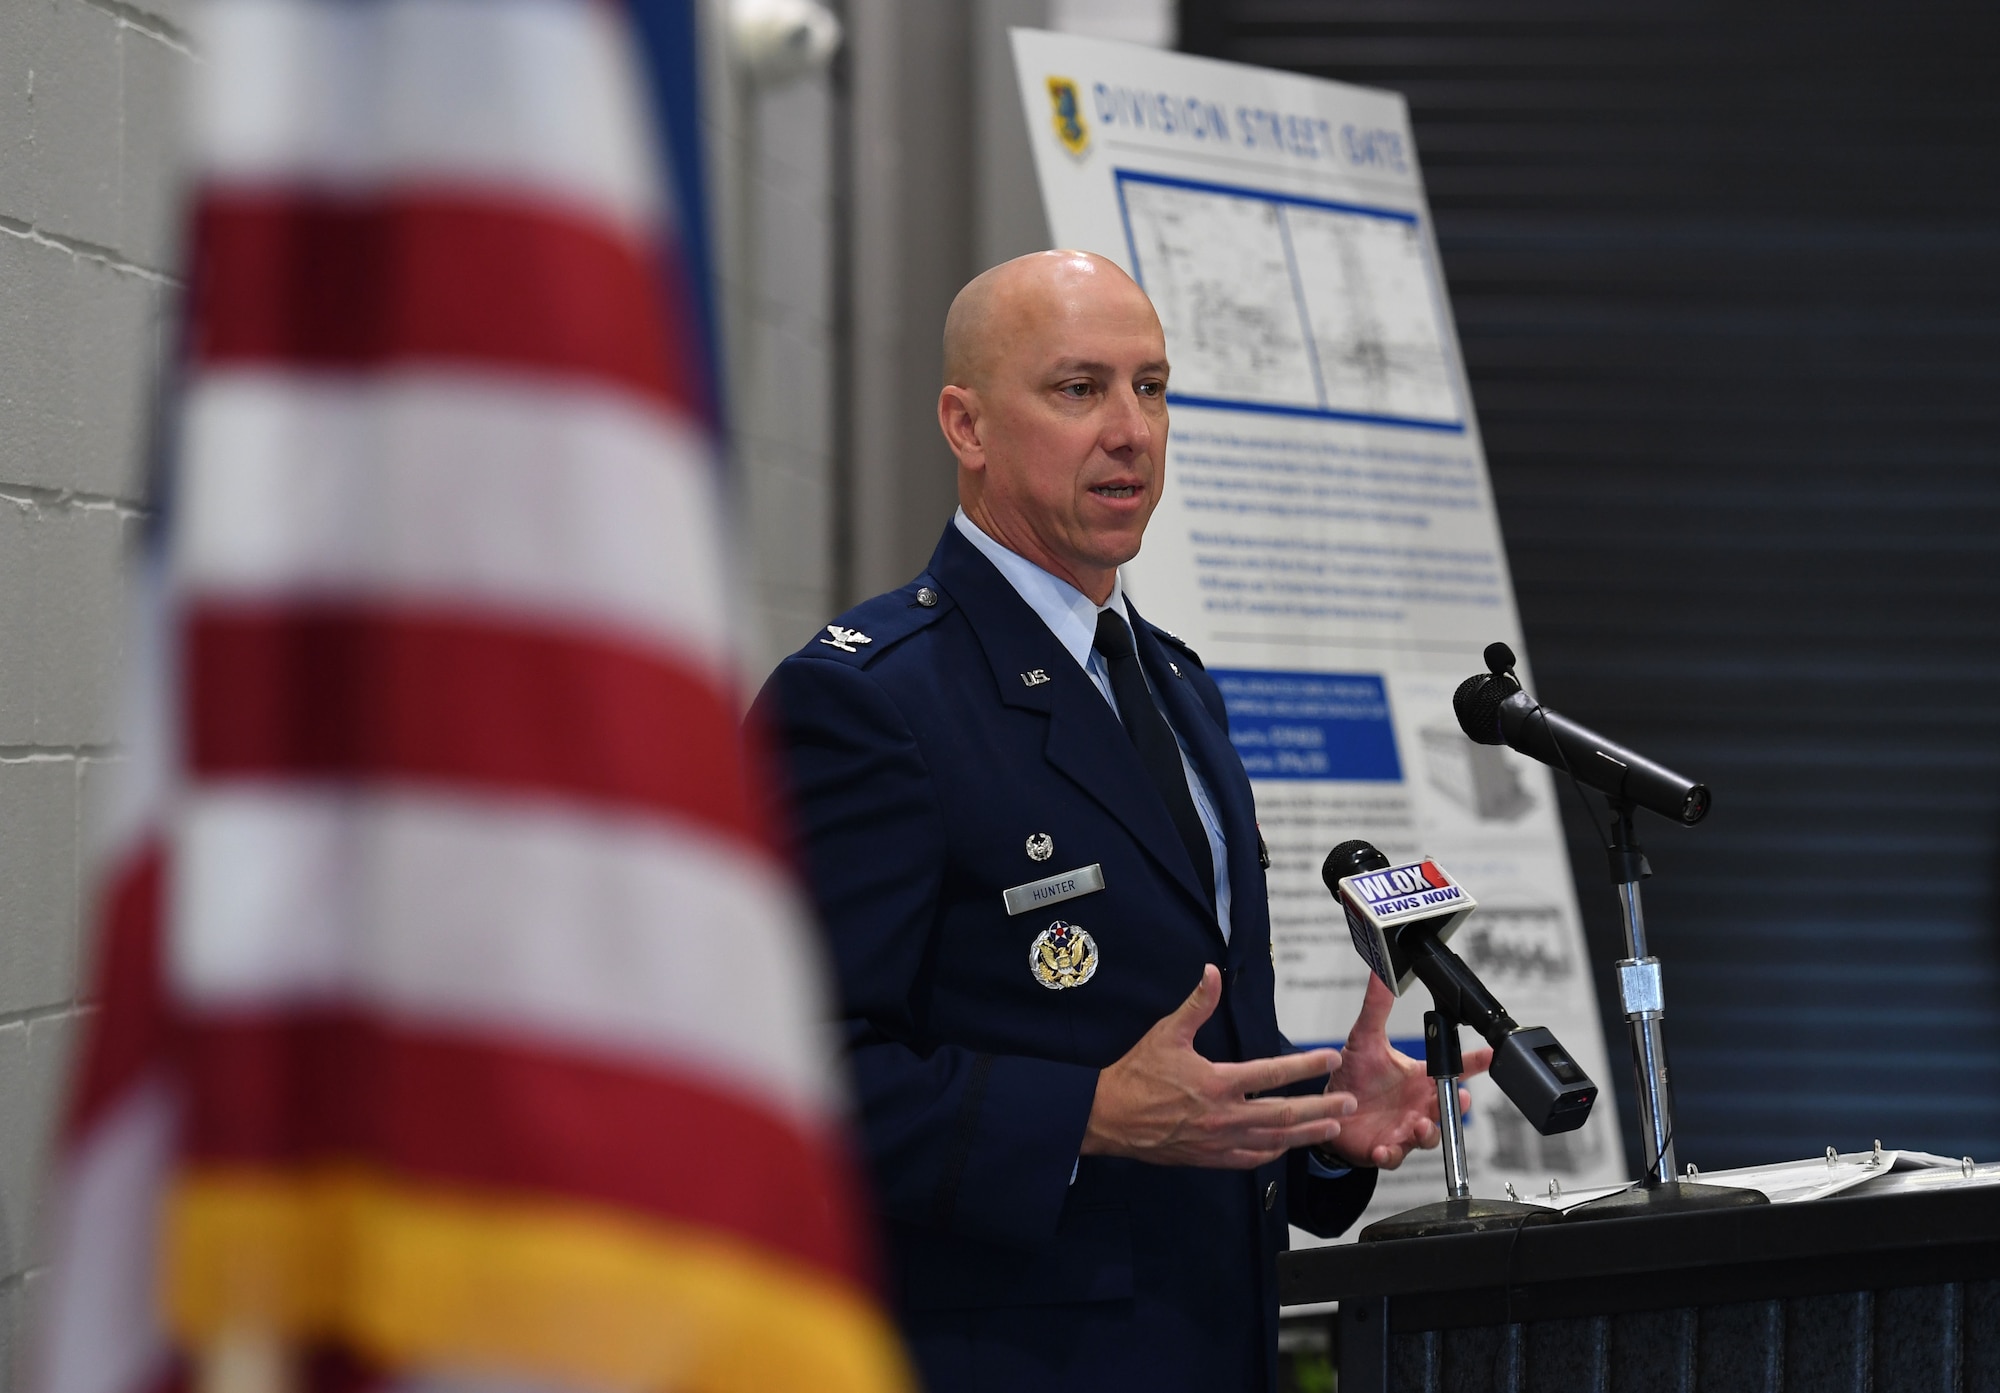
(1310,725)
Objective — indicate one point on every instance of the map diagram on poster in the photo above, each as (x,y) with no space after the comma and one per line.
(1291,304)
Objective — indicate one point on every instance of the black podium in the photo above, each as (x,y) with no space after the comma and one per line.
(1864,1295)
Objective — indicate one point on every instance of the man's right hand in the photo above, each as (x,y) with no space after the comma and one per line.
(1166,1104)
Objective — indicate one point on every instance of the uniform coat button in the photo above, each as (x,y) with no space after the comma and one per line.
(1270,1197)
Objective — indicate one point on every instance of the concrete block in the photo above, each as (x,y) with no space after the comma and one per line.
(100,789)
(790,522)
(74,365)
(102,797)
(786,396)
(13,1329)
(17,623)
(112,357)
(785,620)
(798,613)
(78,625)
(34,1066)
(793,144)
(38,883)
(76,106)
(26,1300)
(99,783)
(17,113)
(793,281)
(62,624)
(778,630)
(154,78)
(13,1332)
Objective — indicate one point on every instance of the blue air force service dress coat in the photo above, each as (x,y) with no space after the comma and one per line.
(942,747)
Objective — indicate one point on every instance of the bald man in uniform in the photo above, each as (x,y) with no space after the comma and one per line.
(1037,859)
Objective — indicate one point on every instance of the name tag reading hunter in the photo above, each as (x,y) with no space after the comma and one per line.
(1065,885)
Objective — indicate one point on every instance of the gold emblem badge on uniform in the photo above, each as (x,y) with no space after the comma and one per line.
(1062,955)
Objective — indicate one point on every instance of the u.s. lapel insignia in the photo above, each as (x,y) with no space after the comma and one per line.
(845,638)
(1062,955)
(1041,847)
(1034,677)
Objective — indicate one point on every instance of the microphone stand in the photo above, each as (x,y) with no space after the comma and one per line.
(1459,1212)
(1642,994)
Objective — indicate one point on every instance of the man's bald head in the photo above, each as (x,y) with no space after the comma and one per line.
(1055,402)
(1004,309)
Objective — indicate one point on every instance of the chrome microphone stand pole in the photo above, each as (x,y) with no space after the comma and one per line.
(1458,1212)
(1642,995)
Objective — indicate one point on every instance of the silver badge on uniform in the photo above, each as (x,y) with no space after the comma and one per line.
(845,638)
(1062,955)
(1041,847)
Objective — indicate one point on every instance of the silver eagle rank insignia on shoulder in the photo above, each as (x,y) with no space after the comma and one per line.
(845,638)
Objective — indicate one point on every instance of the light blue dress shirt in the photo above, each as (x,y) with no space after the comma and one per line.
(1072,617)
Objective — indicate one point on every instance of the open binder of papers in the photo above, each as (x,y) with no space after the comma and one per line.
(1857,1173)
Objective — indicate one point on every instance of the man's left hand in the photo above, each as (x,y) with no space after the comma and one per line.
(1395,1100)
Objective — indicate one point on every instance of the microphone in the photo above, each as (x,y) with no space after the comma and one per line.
(1493,710)
(1399,918)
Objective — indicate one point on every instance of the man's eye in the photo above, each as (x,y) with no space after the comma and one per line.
(1077,390)
(1152,389)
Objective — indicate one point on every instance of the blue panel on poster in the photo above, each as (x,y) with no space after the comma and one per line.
(1311,725)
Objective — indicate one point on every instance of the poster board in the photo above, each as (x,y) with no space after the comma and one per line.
(1327,538)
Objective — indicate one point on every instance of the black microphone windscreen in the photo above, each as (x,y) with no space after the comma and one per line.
(1350,858)
(1499,658)
(1477,704)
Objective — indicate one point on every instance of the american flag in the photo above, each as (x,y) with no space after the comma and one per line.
(458,1018)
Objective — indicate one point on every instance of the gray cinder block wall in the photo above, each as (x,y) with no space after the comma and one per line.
(89,111)
(780,345)
(772,146)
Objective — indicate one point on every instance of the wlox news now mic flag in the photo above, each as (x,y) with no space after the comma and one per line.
(1378,903)
(458,1018)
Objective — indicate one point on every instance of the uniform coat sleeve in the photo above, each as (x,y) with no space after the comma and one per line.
(958,1141)
(1325,1206)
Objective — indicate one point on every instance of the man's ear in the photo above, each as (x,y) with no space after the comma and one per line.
(958,418)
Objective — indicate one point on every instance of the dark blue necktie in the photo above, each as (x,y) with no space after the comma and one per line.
(1154,740)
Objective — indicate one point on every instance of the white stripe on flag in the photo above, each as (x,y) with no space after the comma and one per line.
(463,491)
(536,96)
(631,937)
(101,1330)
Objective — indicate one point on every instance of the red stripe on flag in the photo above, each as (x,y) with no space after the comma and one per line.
(130,1032)
(449,1108)
(316,281)
(373,693)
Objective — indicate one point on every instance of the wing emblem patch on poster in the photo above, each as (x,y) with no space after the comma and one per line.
(1068,115)
(1062,955)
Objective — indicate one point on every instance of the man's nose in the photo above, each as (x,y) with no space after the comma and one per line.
(1129,429)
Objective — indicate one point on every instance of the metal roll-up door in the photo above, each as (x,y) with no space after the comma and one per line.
(1728,282)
